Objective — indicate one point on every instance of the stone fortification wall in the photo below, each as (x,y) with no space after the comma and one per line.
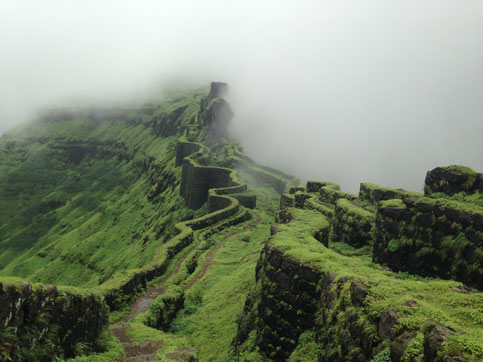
(352,224)
(331,193)
(452,180)
(41,321)
(374,193)
(431,237)
(306,303)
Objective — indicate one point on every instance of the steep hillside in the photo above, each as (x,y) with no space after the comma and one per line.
(105,199)
(164,241)
(89,193)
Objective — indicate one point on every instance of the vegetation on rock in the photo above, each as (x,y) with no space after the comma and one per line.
(159,225)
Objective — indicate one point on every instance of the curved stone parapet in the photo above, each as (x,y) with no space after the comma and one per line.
(201,183)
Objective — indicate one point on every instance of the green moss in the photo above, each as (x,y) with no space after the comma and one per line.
(394,245)
(451,203)
(315,204)
(109,349)
(461,169)
(383,356)
(307,348)
(415,349)
(438,301)
(393,203)
(354,208)
(475,198)
(348,250)
(79,221)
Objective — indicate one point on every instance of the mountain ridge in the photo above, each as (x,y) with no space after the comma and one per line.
(152,205)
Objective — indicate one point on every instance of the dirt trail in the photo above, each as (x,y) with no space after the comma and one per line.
(211,254)
(146,350)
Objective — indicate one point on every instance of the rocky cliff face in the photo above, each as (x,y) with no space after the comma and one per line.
(39,322)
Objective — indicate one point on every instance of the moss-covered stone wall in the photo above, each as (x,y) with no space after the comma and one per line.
(431,237)
(374,193)
(41,321)
(286,200)
(199,184)
(164,308)
(195,183)
(314,204)
(452,180)
(352,224)
(184,149)
(331,193)
(288,302)
(123,287)
(197,180)
(295,297)
(299,199)
(311,303)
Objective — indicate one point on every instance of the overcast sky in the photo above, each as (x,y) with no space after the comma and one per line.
(347,91)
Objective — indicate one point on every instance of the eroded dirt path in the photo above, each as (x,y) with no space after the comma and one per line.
(211,254)
(146,350)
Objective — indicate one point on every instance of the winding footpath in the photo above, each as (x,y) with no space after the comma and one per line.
(146,350)
(211,254)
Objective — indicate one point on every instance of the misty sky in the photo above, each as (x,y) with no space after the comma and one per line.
(346,91)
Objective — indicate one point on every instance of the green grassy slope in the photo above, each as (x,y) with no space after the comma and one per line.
(213,306)
(85,194)
(88,197)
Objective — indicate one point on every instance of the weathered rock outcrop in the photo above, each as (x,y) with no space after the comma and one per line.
(217,116)
(452,180)
(218,90)
(184,149)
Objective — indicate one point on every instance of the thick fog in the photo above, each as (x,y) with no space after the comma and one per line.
(346,91)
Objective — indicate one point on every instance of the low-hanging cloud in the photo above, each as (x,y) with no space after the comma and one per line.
(347,91)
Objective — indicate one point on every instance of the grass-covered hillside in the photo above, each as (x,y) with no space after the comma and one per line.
(148,203)
(171,244)
(86,193)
